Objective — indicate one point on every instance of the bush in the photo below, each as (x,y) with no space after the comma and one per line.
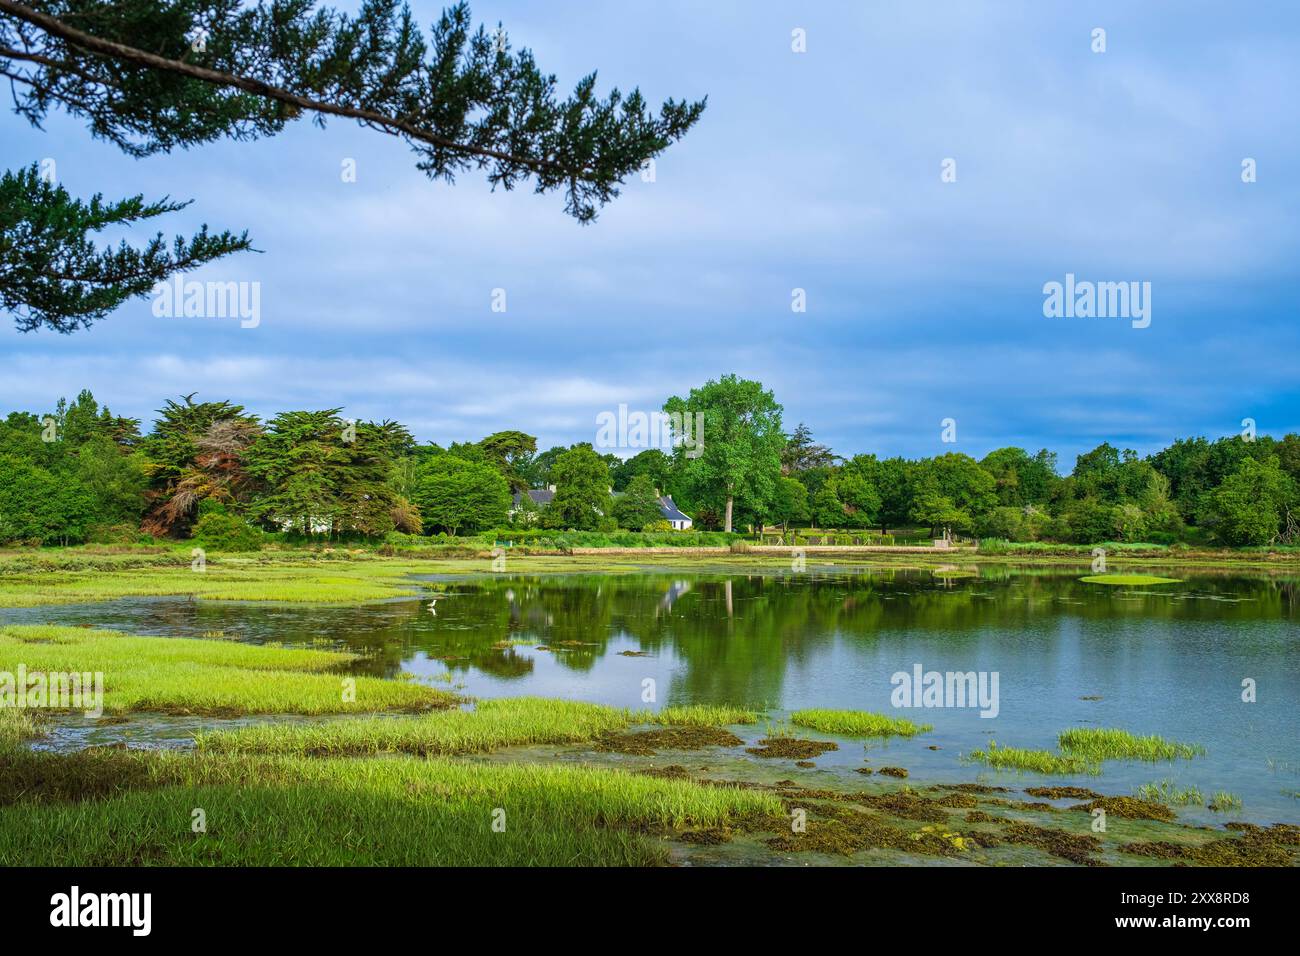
(218,531)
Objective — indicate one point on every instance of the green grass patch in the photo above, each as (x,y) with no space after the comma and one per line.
(1129,580)
(1224,802)
(209,677)
(371,812)
(856,723)
(703,715)
(1167,792)
(348,580)
(491,725)
(1036,761)
(17,726)
(1096,744)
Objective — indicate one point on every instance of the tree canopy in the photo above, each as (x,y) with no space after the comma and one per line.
(150,76)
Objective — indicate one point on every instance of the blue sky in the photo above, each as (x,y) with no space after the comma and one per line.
(818,171)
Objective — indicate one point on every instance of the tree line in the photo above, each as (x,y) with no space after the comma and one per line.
(212,470)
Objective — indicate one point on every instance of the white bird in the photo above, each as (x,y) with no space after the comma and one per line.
(433,610)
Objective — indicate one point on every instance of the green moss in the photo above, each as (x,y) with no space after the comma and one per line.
(790,748)
(1277,845)
(1130,580)
(650,742)
(1129,807)
(1063,793)
(1075,847)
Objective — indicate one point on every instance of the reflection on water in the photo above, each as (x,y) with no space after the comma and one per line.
(1168,660)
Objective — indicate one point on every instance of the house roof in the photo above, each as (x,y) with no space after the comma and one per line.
(670,511)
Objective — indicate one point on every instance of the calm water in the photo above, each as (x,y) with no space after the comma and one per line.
(1167,660)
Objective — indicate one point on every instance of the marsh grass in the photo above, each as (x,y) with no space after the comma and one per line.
(1096,744)
(298,579)
(703,715)
(18,726)
(207,677)
(1036,761)
(392,812)
(856,723)
(491,725)
(1224,802)
(1168,792)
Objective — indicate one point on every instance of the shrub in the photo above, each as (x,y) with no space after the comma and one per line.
(218,531)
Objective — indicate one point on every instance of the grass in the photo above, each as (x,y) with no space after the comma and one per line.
(1035,761)
(1098,744)
(1169,793)
(377,812)
(491,725)
(208,677)
(17,726)
(1224,802)
(1128,579)
(296,579)
(856,723)
(703,715)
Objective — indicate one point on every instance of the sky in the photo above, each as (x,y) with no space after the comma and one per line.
(820,170)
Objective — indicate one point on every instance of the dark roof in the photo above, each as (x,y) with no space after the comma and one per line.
(670,511)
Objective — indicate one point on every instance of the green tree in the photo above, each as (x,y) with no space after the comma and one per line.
(801,452)
(195,451)
(299,459)
(1250,506)
(860,498)
(459,496)
(827,509)
(1021,479)
(789,502)
(38,506)
(743,441)
(512,452)
(952,492)
(134,71)
(638,505)
(581,479)
(114,479)
(652,462)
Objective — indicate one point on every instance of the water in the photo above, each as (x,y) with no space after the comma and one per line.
(1169,660)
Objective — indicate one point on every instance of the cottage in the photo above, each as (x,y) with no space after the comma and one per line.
(541,497)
